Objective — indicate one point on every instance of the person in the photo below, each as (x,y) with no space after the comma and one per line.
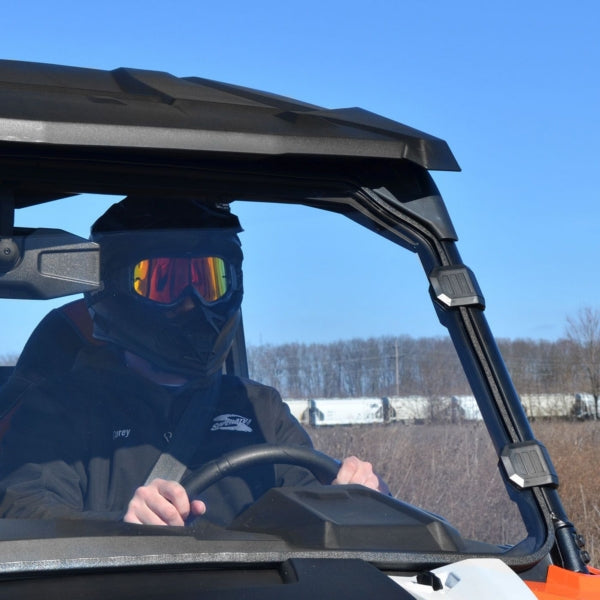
(85,443)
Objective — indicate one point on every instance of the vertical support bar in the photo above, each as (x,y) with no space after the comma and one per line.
(7,212)
(9,251)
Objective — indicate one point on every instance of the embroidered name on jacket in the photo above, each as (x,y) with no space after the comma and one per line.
(231,422)
(120,434)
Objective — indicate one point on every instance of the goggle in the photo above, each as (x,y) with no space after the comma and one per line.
(164,280)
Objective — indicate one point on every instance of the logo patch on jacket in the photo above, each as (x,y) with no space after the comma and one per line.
(231,422)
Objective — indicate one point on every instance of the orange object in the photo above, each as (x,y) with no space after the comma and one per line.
(567,585)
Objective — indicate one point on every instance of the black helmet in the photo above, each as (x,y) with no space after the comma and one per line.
(172,282)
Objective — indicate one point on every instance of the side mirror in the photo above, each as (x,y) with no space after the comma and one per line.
(47,263)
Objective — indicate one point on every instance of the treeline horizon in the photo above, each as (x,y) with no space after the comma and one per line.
(404,365)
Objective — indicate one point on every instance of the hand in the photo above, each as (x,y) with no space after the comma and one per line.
(354,470)
(162,502)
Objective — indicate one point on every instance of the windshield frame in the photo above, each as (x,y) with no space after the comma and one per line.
(401,223)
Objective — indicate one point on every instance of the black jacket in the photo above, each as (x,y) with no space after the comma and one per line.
(80,444)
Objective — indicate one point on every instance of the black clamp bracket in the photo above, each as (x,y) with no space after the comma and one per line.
(455,286)
(527,464)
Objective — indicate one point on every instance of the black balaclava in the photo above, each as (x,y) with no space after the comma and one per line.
(193,342)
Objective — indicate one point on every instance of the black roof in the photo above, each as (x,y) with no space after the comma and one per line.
(132,108)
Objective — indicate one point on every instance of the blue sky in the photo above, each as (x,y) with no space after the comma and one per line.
(513,87)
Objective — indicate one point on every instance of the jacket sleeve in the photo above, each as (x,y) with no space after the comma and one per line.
(279,426)
(42,461)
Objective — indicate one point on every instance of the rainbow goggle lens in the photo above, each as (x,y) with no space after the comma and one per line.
(165,280)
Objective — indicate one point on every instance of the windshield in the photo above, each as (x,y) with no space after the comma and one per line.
(335,345)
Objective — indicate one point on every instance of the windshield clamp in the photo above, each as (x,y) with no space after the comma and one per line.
(527,464)
(456,286)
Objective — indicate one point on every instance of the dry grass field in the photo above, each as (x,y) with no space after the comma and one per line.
(452,471)
(574,448)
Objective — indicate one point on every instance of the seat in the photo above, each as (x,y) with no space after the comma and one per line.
(55,342)
(5,373)
(52,347)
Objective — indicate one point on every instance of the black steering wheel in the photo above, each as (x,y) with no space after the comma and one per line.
(323,467)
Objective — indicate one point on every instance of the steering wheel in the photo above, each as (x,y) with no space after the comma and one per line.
(323,467)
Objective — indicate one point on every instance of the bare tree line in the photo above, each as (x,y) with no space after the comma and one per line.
(394,366)
(403,365)
(359,367)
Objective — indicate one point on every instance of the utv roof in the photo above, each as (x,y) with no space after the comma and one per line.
(132,109)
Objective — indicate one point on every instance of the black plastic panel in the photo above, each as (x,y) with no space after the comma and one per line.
(348,517)
(292,580)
